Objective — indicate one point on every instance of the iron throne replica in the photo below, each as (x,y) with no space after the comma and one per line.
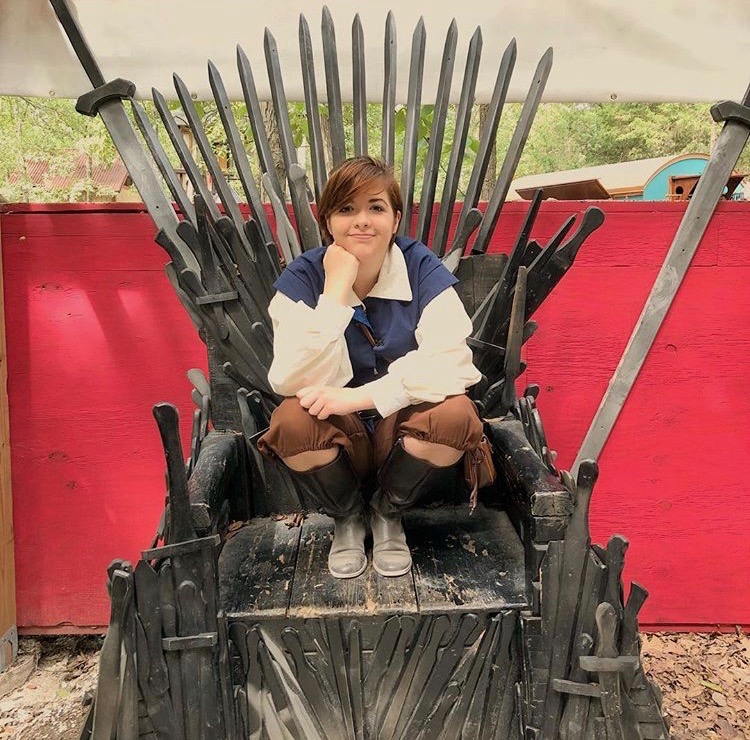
(511,623)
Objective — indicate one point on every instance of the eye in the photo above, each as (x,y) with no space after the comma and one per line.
(345,209)
(377,207)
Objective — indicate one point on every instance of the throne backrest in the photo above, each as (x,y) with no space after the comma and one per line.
(223,265)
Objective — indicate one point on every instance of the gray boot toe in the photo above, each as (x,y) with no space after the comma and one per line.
(390,553)
(347,558)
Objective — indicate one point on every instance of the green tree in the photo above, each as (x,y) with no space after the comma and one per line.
(564,136)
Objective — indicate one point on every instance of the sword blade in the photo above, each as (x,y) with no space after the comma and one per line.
(463,118)
(315,133)
(487,145)
(262,145)
(388,140)
(437,133)
(162,162)
(729,145)
(333,88)
(237,147)
(413,107)
(359,88)
(515,149)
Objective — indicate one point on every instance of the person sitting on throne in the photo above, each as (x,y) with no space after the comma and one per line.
(370,353)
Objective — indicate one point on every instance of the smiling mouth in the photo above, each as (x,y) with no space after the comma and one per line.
(362,236)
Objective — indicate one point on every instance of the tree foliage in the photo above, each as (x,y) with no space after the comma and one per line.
(564,136)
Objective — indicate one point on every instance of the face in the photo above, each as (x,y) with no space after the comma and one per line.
(365,225)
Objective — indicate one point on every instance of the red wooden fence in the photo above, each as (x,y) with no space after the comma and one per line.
(95,337)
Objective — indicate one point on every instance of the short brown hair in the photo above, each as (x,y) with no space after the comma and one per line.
(351,177)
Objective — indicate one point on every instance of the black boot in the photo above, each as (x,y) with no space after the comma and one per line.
(403,480)
(335,489)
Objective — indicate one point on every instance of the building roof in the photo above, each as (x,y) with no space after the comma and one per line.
(617,179)
(113,177)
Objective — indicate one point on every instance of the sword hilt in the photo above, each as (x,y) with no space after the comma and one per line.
(728,110)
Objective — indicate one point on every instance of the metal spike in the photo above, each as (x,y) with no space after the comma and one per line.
(300,202)
(546,279)
(237,148)
(315,135)
(461,239)
(359,88)
(184,154)
(515,339)
(413,106)
(266,252)
(437,133)
(176,248)
(333,87)
(123,133)
(463,118)
(265,267)
(162,162)
(185,299)
(228,199)
(262,145)
(290,247)
(306,223)
(500,318)
(513,155)
(540,262)
(242,274)
(388,141)
(487,145)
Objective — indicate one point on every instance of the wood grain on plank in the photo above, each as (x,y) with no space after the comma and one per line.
(464,562)
(317,593)
(256,569)
(7,544)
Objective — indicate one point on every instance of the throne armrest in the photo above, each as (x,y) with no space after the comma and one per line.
(219,484)
(537,502)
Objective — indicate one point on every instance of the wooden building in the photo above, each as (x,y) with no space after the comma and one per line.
(670,178)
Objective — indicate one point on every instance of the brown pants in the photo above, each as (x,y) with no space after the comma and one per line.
(453,422)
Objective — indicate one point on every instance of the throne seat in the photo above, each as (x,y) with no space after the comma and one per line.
(462,563)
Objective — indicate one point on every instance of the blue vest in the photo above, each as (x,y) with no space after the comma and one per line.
(391,323)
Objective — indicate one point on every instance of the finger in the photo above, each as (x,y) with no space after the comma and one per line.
(317,406)
(309,398)
(308,401)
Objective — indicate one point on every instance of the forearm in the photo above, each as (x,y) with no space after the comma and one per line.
(440,367)
(309,345)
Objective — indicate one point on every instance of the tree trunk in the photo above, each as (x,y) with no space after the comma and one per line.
(491,175)
(272,130)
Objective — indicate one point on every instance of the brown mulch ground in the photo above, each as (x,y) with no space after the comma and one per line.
(705,679)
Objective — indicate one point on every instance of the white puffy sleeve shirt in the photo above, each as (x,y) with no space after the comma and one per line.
(310,348)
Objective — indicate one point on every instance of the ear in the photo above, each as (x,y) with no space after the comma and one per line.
(398,221)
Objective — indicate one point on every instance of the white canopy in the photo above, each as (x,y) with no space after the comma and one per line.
(644,50)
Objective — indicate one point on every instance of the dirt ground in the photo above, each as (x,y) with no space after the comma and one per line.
(705,679)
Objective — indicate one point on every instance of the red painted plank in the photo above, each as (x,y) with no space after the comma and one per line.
(96,337)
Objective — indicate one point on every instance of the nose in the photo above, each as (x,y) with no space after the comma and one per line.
(362,217)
